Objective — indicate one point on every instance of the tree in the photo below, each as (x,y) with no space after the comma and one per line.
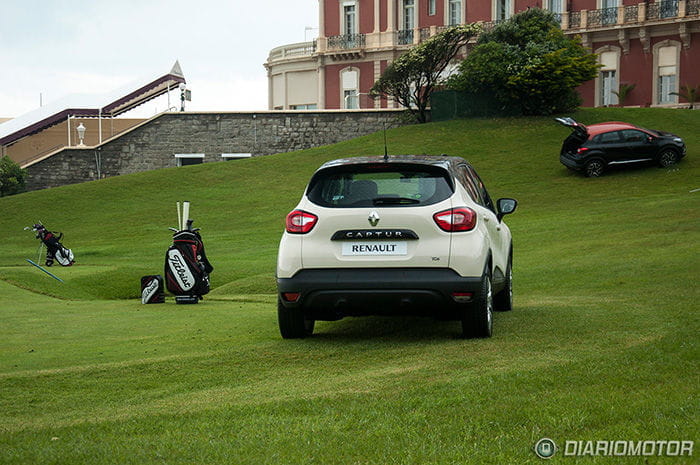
(624,92)
(412,77)
(691,94)
(11,177)
(526,65)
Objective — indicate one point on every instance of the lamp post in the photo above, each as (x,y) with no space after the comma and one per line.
(182,96)
(81,134)
(307,29)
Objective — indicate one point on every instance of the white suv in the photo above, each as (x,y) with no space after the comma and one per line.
(399,235)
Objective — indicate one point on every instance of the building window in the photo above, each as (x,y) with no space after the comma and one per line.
(186,159)
(235,156)
(308,106)
(432,7)
(555,6)
(454,12)
(667,84)
(503,9)
(607,84)
(666,57)
(350,99)
(608,11)
(409,16)
(349,80)
(349,18)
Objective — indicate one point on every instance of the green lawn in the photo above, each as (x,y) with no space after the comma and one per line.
(602,343)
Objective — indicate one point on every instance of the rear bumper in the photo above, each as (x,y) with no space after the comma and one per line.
(331,294)
(571,162)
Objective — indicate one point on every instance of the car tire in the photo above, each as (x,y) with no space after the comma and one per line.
(503,301)
(477,319)
(292,323)
(668,157)
(594,168)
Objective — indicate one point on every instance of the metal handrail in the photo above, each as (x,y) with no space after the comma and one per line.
(346,41)
(404,36)
(692,8)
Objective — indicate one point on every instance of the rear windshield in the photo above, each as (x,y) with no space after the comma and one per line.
(381,184)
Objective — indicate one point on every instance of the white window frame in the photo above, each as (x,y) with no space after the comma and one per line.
(343,24)
(601,4)
(551,6)
(304,106)
(656,98)
(448,12)
(343,90)
(404,16)
(180,156)
(510,9)
(599,82)
(432,7)
(235,156)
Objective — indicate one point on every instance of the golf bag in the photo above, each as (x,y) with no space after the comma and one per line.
(186,266)
(54,249)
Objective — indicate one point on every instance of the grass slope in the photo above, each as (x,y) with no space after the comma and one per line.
(602,344)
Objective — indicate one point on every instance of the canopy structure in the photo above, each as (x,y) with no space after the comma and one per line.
(102,105)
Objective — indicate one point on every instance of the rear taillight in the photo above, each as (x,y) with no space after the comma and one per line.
(456,219)
(300,222)
(582,150)
(291,296)
(462,297)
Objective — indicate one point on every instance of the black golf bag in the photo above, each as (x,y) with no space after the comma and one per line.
(187,267)
(54,249)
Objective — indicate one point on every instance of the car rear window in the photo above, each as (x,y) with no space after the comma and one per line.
(380,184)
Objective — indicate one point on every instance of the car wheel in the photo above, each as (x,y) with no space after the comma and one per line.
(668,157)
(594,168)
(503,301)
(292,323)
(477,320)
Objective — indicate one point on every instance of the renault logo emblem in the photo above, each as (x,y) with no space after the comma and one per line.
(373,218)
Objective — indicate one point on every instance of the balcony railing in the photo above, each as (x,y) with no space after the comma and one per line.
(346,41)
(292,50)
(692,8)
(405,36)
(662,9)
(424,33)
(602,17)
(574,20)
(631,13)
(645,11)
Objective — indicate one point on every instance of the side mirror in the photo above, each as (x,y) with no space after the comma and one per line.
(505,207)
(650,139)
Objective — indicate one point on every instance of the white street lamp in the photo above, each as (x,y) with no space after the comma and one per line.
(81,134)
(182,96)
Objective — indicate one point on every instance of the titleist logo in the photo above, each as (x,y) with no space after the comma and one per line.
(149,291)
(179,268)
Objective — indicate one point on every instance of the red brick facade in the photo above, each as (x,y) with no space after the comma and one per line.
(654,45)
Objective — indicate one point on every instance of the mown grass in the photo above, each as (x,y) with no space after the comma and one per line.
(602,344)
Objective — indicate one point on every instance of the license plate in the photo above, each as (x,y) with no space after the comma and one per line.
(375,248)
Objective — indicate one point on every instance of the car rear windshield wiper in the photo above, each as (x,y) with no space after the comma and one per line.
(394,201)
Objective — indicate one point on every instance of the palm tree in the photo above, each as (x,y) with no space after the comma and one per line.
(691,94)
(623,93)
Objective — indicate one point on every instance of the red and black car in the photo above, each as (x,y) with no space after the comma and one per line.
(594,148)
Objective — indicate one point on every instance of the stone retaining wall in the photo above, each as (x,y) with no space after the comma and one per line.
(154,144)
